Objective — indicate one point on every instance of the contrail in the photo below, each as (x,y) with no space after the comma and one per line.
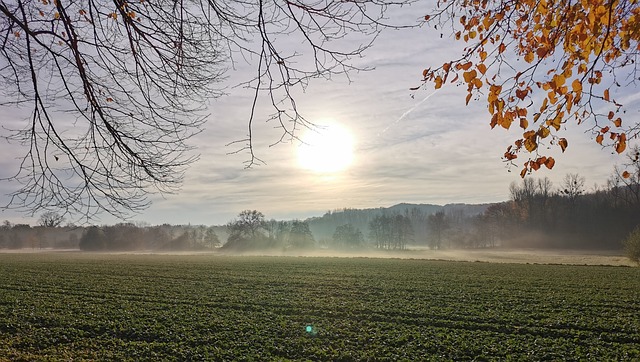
(406,113)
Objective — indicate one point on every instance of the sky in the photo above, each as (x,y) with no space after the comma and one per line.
(421,146)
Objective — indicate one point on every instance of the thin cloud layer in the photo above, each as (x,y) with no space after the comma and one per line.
(418,147)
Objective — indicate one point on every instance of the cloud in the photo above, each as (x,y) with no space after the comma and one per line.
(408,149)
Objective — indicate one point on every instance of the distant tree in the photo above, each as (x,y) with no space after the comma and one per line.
(51,219)
(211,238)
(159,236)
(379,231)
(185,241)
(401,231)
(391,231)
(572,186)
(628,176)
(247,231)
(300,236)
(438,224)
(93,239)
(248,224)
(632,245)
(347,236)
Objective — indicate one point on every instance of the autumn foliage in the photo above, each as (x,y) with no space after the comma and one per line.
(540,64)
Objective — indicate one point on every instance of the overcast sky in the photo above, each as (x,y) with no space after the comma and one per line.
(415,147)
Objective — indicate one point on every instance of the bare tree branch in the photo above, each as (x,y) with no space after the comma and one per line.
(116,89)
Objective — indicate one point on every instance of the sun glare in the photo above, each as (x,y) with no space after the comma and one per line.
(326,149)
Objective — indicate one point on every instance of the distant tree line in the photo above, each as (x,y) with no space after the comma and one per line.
(120,237)
(538,215)
(251,231)
(129,237)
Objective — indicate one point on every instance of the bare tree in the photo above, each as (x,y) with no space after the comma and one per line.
(116,89)
(572,186)
(51,219)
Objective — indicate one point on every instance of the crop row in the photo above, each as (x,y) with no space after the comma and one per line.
(199,307)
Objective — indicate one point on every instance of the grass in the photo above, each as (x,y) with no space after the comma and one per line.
(206,307)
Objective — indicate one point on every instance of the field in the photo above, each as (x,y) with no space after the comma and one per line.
(74,306)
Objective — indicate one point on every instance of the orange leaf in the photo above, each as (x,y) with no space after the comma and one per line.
(466,66)
(468,98)
(550,162)
(523,173)
(606,94)
(534,165)
(563,144)
(521,93)
(618,122)
(599,138)
(610,115)
(622,143)
(626,174)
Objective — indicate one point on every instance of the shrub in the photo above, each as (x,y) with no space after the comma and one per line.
(632,245)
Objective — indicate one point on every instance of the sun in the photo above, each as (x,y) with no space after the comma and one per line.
(327,148)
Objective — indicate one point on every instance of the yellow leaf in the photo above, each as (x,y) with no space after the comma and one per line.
(545,102)
(557,122)
(529,57)
(482,68)
(470,75)
(576,85)
(438,82)
(544,132)
(530,144)
(524,123)
(559,80)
